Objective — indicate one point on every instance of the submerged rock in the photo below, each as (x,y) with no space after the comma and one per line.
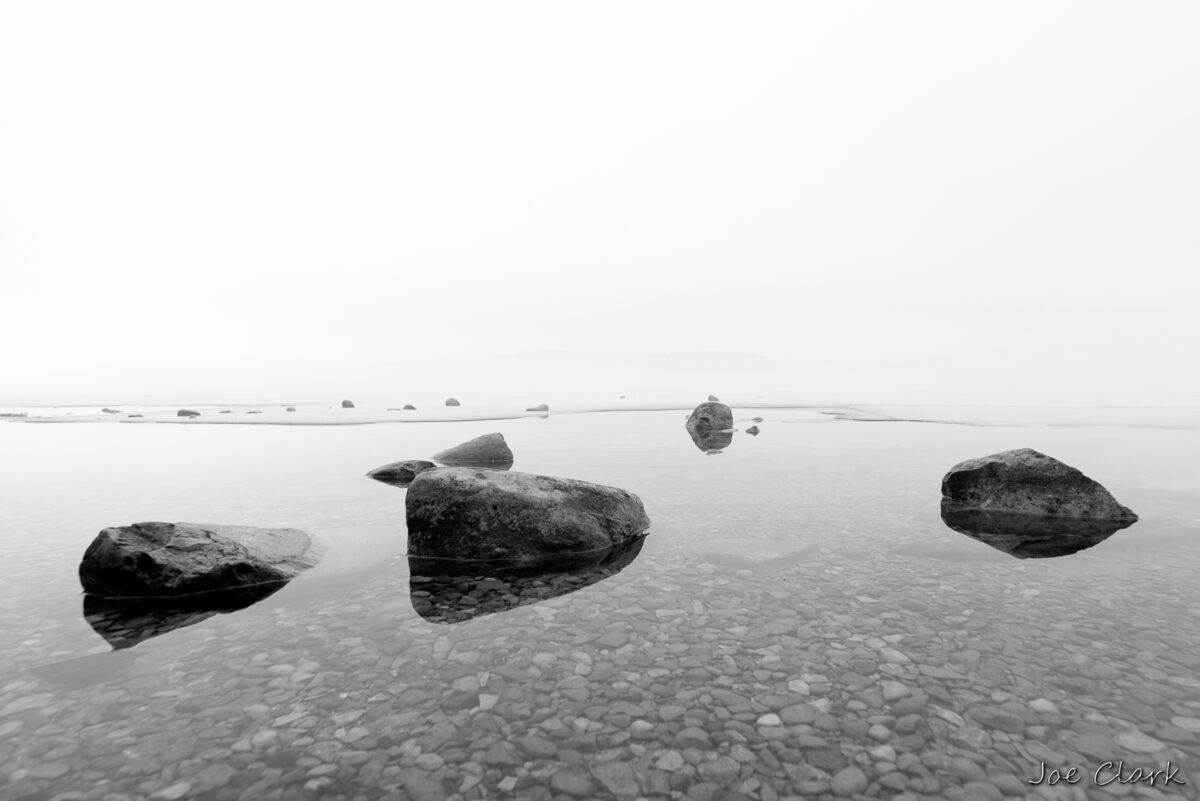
(711,416)
(541,407)
(449,591)
(187,413)
(400,474)
(125,622)
(346,404)
(1029,536)
(489,450)
(464,513)
(171,559)
(1027,482)
(752,431)
(452,402)
(711,440)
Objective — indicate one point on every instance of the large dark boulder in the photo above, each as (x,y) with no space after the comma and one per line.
(347,404)
(711,416)
(1027,482)
(171,559)
(1029,536)
(401,474)
(451,591)
(489,450)
(465,513)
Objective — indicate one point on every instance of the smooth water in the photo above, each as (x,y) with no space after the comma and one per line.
(799,622)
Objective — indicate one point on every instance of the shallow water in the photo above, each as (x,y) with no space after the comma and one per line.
(799,622)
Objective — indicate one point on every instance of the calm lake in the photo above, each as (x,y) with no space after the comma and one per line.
(799,622)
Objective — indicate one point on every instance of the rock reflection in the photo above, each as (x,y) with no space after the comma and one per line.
(125,622)
(448,591)
(1029,536)
(710,440)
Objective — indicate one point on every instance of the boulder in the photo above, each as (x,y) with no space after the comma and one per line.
(408,407)
(452,402)
(490,450)
(187,413)
(1026,482)
(752,431)
(171,559)
(713,398)
(541,407)
(465,513)
(400,474)
(451,591)
(1029,536)
(346,404)
(711,416)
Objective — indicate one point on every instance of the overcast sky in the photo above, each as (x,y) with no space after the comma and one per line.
(972,198)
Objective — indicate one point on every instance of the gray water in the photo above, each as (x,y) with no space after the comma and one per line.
(798,623)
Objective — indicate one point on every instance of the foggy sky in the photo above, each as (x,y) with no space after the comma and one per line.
(939,199)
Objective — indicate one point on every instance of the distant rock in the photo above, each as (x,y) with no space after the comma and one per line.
(1027,482)
(225,411)
(752,431)
(106,410)
(713,398)
(464,513)
(711,416)
(400,474)
(451,591)
(187,413)
(255,411)
(756,419)
(136,415)
(170,559)
(408,407)
(541,407)
(290,409)
(452,402)
(347,404)
(490,450)
(1029,536)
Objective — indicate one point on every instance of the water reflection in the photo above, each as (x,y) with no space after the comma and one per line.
(1029,536)
(125,622)
(446,591)
(710,440)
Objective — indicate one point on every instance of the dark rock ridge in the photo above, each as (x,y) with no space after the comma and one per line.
(149,560)
(490,450)
(448,591)
(1027,482)
(711,416)
(187,413)
(1029,536)
(452,402)
(711,440)
(752,431)
(541,407)
(346,404)
(400,474)
(465,513)
(125,622)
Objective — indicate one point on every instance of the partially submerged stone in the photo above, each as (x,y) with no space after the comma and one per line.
(1029,536)
(408,407)
(451,591)
(171,559)
(489,450)
(752,431)
(187,413)
(541,407)
(464,513)
(452,402)
(401,474)
(1025,481)
(347,404)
